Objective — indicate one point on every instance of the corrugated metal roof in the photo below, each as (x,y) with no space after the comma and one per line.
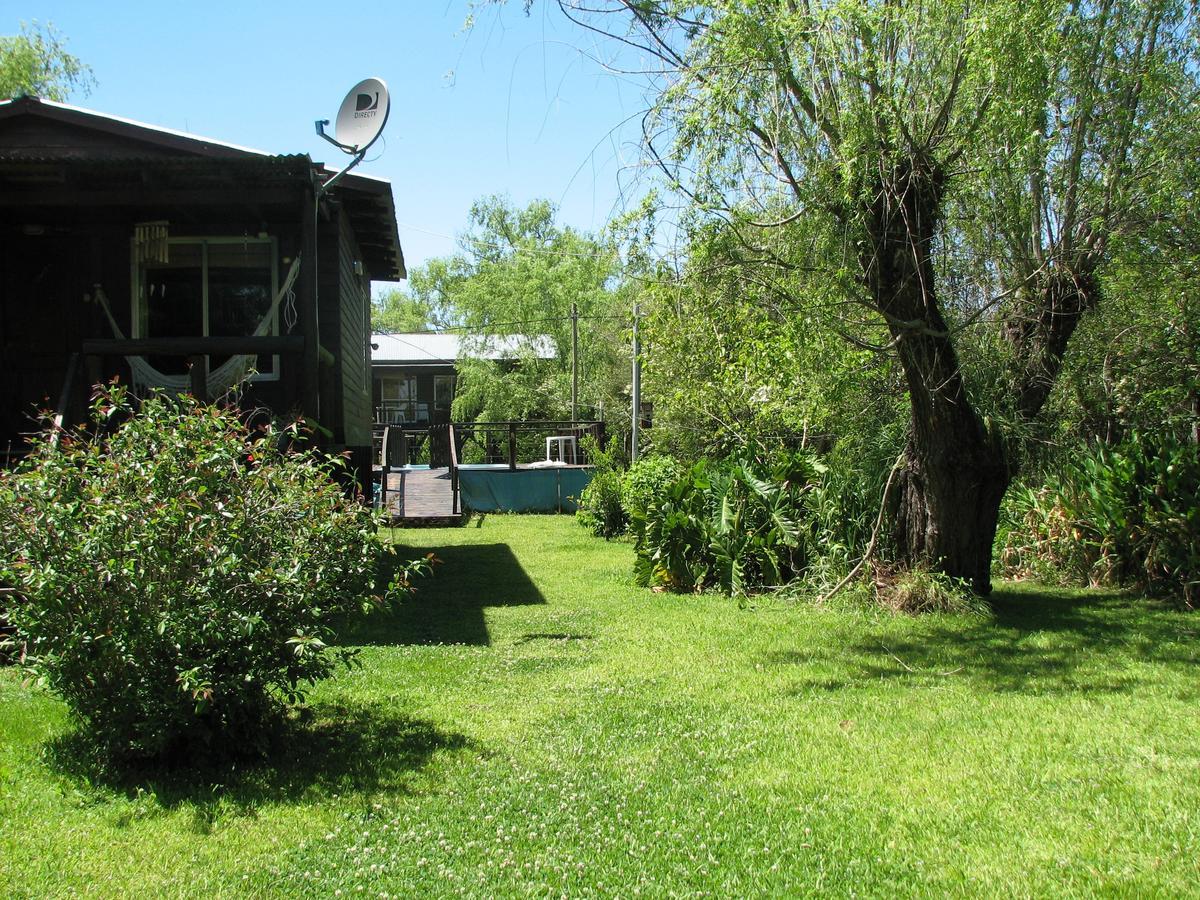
(367,198)
(423,348)
(84,113)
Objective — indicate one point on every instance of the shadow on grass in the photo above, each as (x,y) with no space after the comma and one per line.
(557,637)
(448,605)
(321,750)
(1037,640)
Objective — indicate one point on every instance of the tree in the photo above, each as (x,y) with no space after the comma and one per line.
(1108,108)
(519,276)
(1144,341)
(731,362)
(858,122)
(397,312)
(36,62)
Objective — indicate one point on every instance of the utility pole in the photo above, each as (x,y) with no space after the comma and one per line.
(637,387)
(574,362)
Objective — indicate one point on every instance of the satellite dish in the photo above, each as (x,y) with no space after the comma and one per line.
(363,114)
(361,117)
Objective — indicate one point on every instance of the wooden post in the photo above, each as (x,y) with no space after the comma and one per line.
(512,446)
(310,391)
(637,389)
(574,362)
(198,370)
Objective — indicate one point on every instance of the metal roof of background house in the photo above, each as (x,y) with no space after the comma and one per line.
(443,349)
(368,200)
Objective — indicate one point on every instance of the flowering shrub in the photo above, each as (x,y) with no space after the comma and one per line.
(178,577)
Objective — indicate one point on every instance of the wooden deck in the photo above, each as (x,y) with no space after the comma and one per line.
(421,498)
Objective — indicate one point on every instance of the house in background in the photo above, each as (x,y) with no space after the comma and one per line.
(414,375)
(175,261)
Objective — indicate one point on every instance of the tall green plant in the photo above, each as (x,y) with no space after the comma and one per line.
(1113,515)
(739,526)
(600,508)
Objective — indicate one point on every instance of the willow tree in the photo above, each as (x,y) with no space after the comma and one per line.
(522,277)
(35,61)
(860,122)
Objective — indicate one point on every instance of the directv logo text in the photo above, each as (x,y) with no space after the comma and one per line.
(366,105)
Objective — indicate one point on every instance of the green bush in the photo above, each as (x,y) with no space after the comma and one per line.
(178,576)
(600,509)
(1112,515)
(739,525)
(646,479)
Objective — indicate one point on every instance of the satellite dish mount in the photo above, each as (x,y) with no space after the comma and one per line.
(360,121)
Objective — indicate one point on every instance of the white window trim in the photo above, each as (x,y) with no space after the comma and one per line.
(135,304)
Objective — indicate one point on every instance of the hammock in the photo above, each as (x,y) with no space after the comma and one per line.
(220,379)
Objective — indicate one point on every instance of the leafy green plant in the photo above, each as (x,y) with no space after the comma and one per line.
(672,536)
(600,509)
(179,576)
(1113,515)
(646,479)
(739,525)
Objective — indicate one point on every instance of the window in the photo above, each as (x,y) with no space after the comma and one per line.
(207,287)
(443,391)
(398,400)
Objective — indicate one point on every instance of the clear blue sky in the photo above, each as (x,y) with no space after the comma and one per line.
(514,107)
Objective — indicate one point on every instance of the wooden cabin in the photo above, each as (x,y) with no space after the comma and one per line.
(160,257)
(413,378)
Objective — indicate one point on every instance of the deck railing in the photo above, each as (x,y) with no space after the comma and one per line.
(404,412)
(455,504)
(521,443)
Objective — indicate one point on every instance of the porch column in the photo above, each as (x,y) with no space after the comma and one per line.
(310,378)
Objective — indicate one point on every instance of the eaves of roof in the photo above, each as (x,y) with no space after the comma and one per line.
(368,200)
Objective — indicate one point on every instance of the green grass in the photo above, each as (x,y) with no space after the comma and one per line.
(532,724)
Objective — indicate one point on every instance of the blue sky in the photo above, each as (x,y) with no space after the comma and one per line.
(517,106)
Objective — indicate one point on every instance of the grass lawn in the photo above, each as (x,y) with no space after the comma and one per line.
(533,724)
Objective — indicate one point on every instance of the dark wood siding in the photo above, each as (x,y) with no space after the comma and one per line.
(355,350)
(46,138)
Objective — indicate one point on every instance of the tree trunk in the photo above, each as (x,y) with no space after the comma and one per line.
(1195,397)
(955,472)
(948,505)
(1040,327)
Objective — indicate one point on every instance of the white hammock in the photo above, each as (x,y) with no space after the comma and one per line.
(220,379)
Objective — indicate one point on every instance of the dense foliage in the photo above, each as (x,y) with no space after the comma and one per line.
(601,510)
(36,62)
(1122,515)
(397,312)
(179,577)
(738,525)
(645,480)
(942,186)
(518,277)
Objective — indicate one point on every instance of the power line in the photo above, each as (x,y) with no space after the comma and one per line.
(517,248)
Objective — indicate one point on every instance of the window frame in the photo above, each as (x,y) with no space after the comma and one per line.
(136,307)
(446,382)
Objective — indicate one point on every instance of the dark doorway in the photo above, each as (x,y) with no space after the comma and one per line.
(42,317)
